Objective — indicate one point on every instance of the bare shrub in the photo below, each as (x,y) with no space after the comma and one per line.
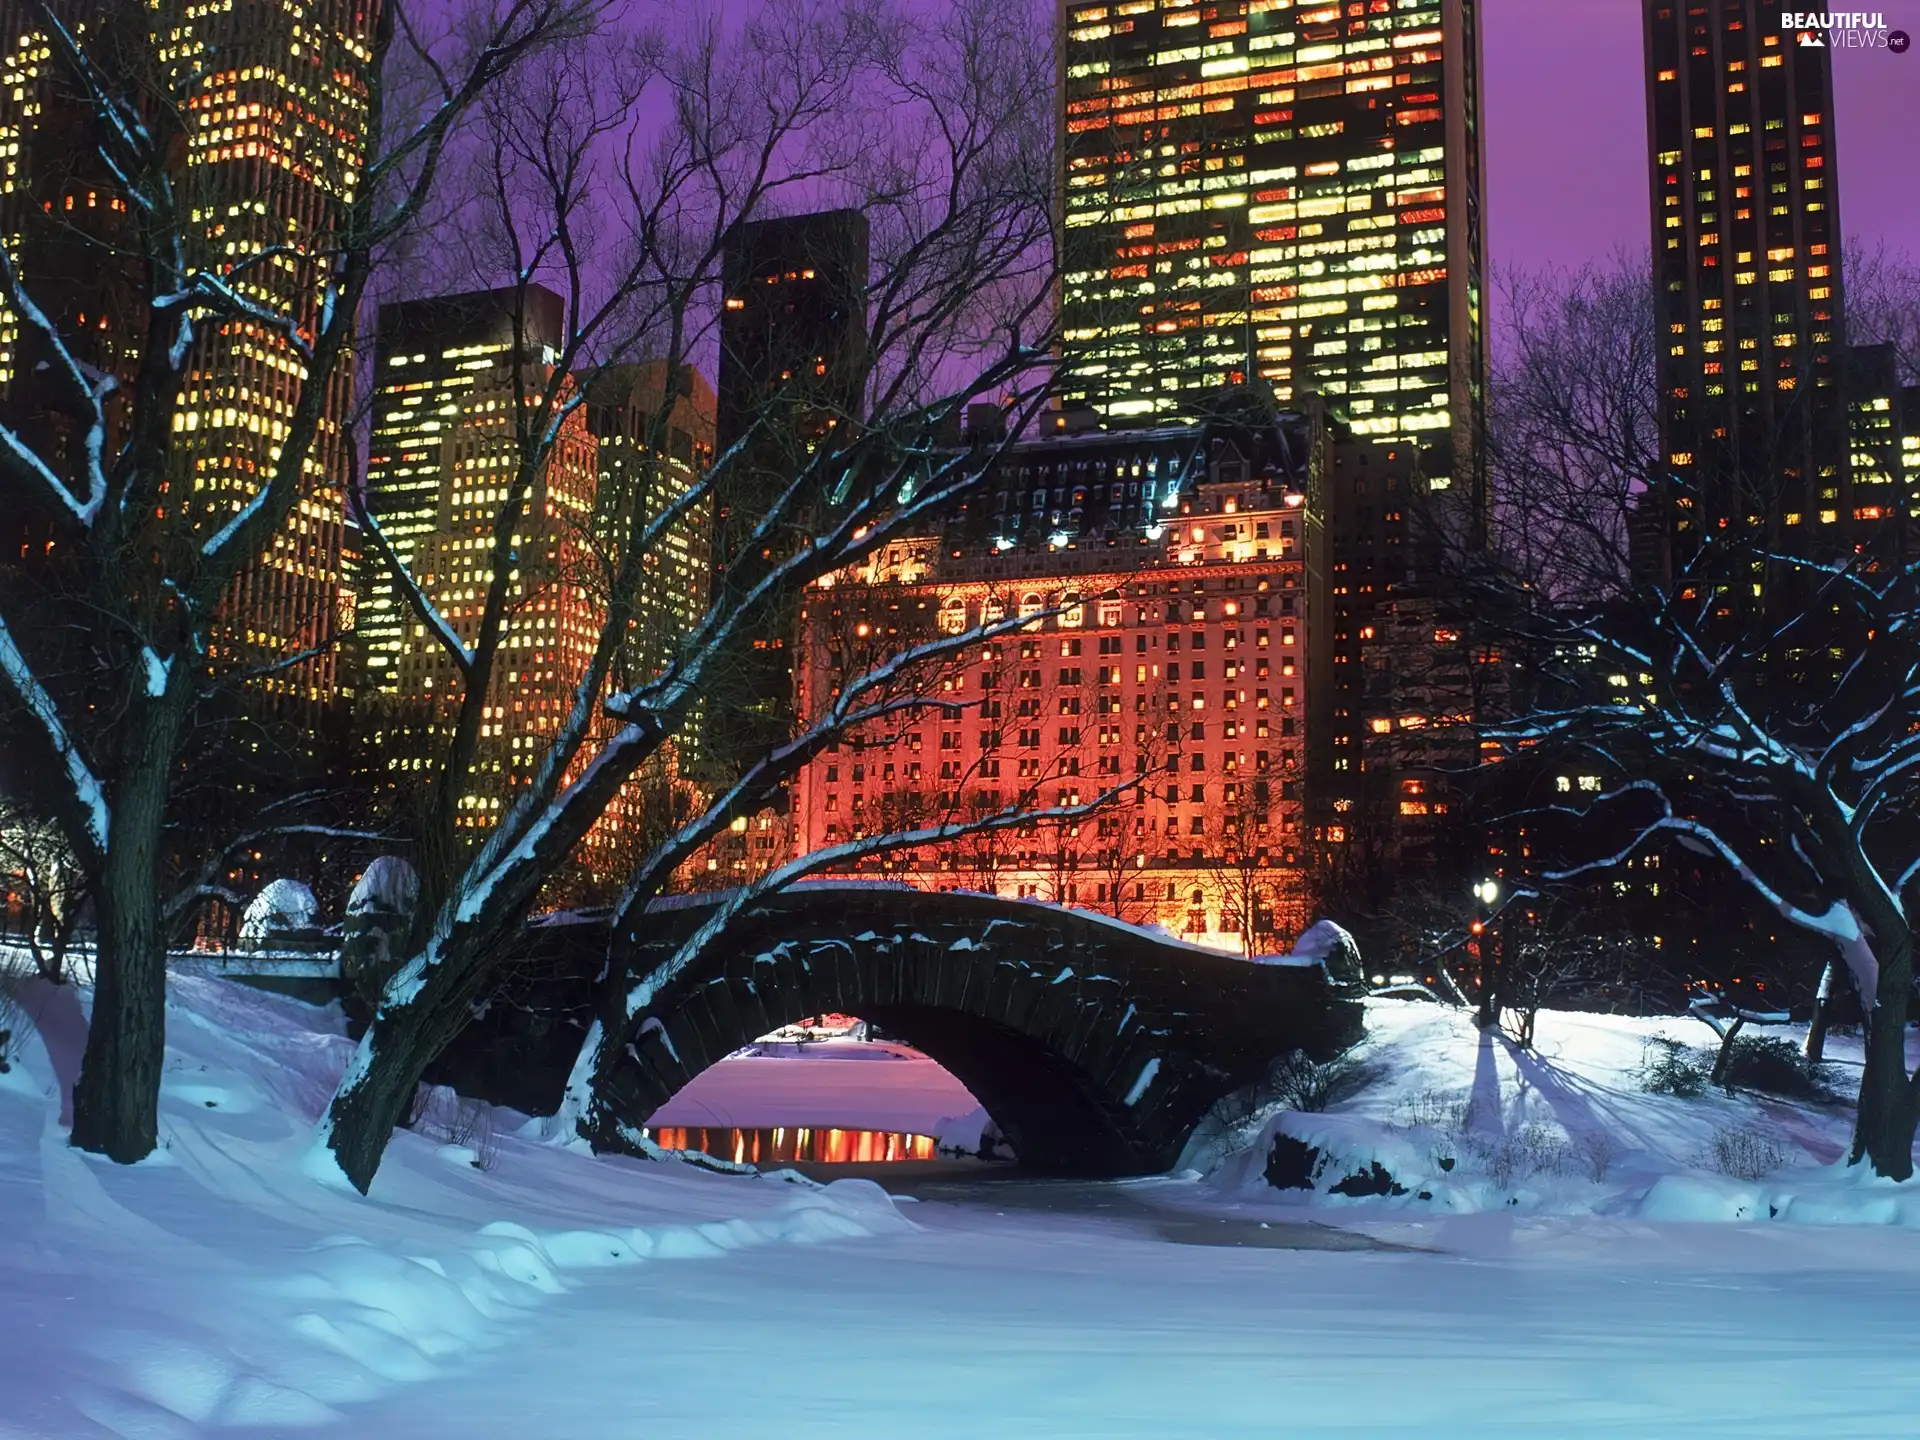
(1533,1149)
(1745,1153)
(1444,1110)
(1298,1082)
(447,1119)
(1596,1152)
(13,1019)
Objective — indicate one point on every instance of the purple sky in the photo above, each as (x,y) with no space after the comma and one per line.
(1566,132)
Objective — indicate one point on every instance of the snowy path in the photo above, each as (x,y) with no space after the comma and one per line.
(1021,1324)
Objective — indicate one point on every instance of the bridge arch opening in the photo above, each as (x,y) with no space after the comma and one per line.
(817,1099)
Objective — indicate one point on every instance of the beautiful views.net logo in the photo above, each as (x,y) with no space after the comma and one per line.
(1844,29)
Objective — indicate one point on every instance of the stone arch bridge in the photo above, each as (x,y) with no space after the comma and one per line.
(1095,1046)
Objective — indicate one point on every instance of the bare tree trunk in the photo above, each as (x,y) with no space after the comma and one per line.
(1884,1127)
(1724,1056)
(116,1100)
(1816,1048)
(379,1096)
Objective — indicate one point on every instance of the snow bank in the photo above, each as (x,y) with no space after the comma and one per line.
(1455,1121)
(217,1286)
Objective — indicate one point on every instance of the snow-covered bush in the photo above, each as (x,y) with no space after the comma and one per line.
(1669,1068)
(379,912)
(1334,947)
(1744,1153)
(282,910)
(1775,1066)
(386,886)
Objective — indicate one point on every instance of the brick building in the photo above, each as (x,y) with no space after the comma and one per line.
(1165,666)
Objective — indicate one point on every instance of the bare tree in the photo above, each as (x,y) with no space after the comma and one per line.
(1574,432)
(53,889)
(1883,303)
(104,694)
(1750,700)
(1777,741)
(1242,835)
(939,135)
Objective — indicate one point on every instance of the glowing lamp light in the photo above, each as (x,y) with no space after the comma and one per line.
(739,826)
(1002,543)
(1293,499)
(1487,892)
(1154,532)
(1477,927)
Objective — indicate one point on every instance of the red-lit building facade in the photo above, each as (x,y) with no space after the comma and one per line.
(1164,669)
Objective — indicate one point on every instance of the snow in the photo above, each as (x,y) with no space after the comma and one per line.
(218,1287)
(1465,1123)
(1143,1080)
(280,906)
(1321,939)
(388,884)
(156,671)
(220,1290)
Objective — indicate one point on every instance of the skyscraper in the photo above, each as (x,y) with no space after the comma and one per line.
(272,99)
(431,356)
(1746,256)
(450,449)
(792,342)
(1291,187)
(655,435)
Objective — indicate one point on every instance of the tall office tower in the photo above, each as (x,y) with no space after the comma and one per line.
(431,357)
(1295,186)
(792,343)
(273,95)
(1746,247)
(1884,446)
(464,447)
(655,434)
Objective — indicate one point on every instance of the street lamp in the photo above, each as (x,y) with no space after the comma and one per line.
(1487,892)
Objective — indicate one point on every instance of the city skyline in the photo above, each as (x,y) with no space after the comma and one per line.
(1566,144)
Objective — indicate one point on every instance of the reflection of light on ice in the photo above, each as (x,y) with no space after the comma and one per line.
(786,1143)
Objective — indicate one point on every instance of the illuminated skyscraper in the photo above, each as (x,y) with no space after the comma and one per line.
(1746,246)
(273,96)
(430,358)
(450,453)
(1295,186)
(645,471)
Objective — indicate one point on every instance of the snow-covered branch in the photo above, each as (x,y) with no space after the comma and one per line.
(85,796)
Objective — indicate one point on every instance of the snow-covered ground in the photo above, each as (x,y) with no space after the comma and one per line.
(1454,1121)
(215,1286)
(218,1291)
